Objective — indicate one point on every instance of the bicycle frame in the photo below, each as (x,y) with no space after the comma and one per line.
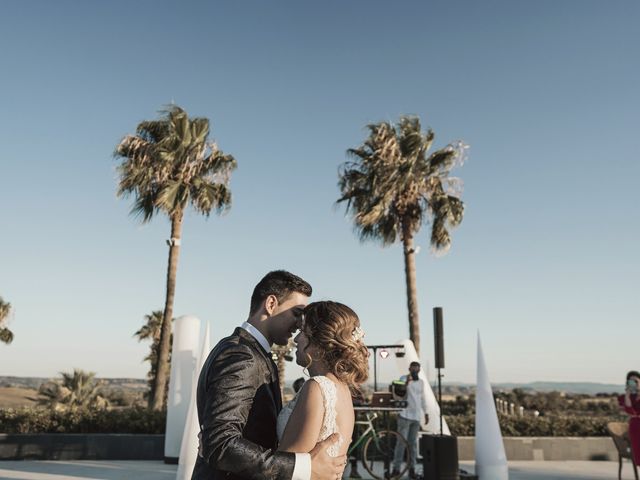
(370,430)
(378,447)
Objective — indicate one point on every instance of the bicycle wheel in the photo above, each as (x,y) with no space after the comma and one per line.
(377,455)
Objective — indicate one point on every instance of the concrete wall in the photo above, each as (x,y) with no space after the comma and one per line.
(58,446)
(548,448)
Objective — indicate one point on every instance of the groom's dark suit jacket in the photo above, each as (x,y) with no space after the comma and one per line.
(238,401)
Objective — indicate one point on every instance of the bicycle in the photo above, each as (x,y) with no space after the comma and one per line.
(378,450)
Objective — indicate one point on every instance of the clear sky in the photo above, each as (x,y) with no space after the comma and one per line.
(546,93)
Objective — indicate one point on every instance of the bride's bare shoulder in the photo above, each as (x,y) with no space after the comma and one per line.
(303,428)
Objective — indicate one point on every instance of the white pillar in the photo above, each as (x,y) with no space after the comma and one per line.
(189,447)
(491,461)
(186,335)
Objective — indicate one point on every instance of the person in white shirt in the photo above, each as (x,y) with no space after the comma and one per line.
(409,419)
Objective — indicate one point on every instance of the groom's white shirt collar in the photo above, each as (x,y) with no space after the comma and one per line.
(255,333)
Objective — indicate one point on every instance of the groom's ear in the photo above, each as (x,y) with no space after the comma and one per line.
(270,304)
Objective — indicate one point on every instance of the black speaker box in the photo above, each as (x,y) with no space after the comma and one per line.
(438,337)
(439,457)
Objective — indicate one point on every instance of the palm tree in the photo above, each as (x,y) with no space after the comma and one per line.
(77,389)
(151,330)
(393,185)
(167,165)
(6,335)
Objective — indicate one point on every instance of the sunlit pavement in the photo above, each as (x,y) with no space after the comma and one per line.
(555,470)
(148,470)
(87,470)
(563,470)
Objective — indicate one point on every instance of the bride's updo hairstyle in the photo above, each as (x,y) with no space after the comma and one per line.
(335,330)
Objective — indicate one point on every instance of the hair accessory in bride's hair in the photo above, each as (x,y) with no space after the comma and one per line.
(357,334)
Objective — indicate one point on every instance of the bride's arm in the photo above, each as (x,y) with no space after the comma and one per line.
(303,428)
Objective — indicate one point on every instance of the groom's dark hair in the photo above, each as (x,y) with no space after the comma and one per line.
(279,283)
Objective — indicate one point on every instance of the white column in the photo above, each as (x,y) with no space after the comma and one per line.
(189,447)
(186,336)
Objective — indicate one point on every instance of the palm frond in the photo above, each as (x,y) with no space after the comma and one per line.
(165,160)
(390,181)
(145,207)
(5,309)
(173,196)
(152,326)
(6,335)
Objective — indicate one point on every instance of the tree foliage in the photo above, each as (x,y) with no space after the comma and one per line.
(151,331)
(6,335)
(75,390)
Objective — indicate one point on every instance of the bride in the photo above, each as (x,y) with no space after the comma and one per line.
(330,348)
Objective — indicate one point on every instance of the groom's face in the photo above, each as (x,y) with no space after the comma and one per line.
(286,317)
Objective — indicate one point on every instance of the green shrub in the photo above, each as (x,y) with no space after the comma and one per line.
(41,420)
(543,426)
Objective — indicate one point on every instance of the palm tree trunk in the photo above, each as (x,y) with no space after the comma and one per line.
(162,371)
(412,292)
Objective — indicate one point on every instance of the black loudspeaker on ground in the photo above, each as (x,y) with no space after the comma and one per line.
(439,457)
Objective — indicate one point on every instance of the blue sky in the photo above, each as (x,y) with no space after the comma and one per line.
(545,264)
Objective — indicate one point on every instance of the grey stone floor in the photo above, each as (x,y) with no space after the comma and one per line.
(563,470)
(145,470)
(86,470)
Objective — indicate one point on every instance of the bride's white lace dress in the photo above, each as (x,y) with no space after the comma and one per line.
(329,425)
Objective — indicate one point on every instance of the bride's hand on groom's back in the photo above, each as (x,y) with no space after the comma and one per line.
(324,467)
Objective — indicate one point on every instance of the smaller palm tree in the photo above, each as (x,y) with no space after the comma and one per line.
(151,331)
(6,335)
(76,390)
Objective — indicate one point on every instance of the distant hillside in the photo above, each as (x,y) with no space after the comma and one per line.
(453,388)
(588,388)
(135,384)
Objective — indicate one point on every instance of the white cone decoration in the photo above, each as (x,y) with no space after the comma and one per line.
(433,409)
(491,461)
(189,448)
(186,340)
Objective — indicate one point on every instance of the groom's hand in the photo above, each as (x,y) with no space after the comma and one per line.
(324,467)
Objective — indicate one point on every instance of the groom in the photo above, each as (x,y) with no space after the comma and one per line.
(238,396)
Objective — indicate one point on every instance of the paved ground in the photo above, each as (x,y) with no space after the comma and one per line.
(87,470)
(564,470)
(141,470)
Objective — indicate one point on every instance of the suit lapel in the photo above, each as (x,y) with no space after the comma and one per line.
(275,386)
(275,382)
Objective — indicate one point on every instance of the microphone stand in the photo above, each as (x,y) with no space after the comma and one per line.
(440,396)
